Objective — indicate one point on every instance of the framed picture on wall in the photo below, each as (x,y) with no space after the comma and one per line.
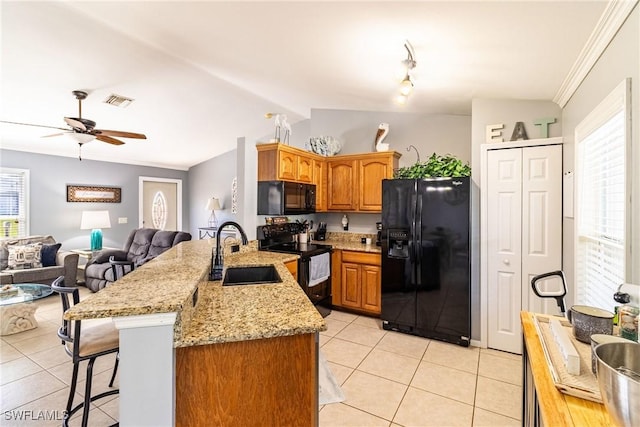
(91,193)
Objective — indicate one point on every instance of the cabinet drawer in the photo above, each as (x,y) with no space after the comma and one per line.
(362,257)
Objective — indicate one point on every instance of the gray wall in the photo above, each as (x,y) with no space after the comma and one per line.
(443,134)
(619,61)
(211,178)
(356,130)
(488,112)
(50,213)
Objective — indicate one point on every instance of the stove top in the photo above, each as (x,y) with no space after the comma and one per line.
(282,238)
(307,249)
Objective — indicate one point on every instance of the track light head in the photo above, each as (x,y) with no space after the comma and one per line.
(406,86)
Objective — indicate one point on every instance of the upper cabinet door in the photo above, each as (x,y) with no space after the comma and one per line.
(320,180)
(372,172)
(288,166)
(305,169)
(342,183)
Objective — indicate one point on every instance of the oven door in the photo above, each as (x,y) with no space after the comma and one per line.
(315,280)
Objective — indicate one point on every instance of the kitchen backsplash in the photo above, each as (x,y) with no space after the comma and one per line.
(345,236)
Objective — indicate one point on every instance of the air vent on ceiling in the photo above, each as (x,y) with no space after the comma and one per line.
(118,100)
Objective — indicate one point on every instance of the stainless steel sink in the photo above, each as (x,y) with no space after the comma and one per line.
(257,275)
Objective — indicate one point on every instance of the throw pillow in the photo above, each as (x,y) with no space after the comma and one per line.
(48,254)
(23,257)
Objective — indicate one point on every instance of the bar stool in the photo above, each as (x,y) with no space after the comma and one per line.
(84,343)
(119,268)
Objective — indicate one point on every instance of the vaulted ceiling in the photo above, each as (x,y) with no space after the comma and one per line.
(204,73)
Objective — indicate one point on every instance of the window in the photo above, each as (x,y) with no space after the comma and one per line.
(14,196)
(159,211)
(602,244)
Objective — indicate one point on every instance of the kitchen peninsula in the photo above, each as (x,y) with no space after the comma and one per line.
(193,352)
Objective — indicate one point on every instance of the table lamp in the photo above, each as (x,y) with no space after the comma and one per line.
(95,221)
(213,204)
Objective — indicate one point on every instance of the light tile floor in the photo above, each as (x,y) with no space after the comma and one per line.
(388,378)
(394,379)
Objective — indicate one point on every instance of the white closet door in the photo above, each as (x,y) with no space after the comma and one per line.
(524,236)
(541,223)
(504,216)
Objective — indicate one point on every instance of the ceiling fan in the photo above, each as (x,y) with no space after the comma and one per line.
(83,130)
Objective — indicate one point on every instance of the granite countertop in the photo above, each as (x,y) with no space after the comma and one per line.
(239,313)
(222,314)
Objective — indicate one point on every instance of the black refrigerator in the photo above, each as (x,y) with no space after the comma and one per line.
(425,258)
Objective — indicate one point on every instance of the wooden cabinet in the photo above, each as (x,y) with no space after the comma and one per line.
(359,284)
(320,180)
(354,182)
(281,162)
(292,266)
(269,382)
(305,169)
(351,290)
(371,172)
(341,185)
(336,278)
(287,166)
(371,280)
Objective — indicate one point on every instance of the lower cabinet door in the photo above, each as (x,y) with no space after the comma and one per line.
(371,298)
(351,289)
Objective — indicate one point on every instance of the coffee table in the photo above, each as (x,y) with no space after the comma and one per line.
(17,309)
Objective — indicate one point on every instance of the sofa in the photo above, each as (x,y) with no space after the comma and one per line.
(142,245)
(36,259)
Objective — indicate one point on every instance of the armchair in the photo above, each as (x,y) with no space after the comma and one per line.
(142,245)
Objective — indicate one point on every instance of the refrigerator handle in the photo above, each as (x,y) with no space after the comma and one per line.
(412,234)
(418,237)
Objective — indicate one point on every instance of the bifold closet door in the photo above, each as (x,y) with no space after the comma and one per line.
(542,223)
(504,234)
(524,235)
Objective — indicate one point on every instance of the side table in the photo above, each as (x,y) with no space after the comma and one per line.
(17,309)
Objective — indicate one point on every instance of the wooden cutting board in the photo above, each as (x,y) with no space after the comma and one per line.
(584,385)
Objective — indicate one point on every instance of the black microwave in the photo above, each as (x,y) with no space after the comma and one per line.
(286,198)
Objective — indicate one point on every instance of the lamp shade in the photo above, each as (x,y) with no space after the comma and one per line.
(213,204)
(95,219)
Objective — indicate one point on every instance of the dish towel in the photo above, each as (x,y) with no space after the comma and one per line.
(319,269)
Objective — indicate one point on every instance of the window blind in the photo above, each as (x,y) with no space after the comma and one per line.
(14,184)
(600,254)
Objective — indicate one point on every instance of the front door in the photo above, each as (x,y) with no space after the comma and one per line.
(161,203)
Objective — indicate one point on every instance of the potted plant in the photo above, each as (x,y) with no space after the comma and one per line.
(435,166)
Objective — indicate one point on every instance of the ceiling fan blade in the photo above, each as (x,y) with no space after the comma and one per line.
(55,134)
(109,140)
(119,133)
(31,124)
(76,124)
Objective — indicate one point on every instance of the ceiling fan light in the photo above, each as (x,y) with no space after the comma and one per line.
(80,138)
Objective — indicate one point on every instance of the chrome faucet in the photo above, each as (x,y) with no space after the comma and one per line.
(217,267)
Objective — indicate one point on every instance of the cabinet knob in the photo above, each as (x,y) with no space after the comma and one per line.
(506,261)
